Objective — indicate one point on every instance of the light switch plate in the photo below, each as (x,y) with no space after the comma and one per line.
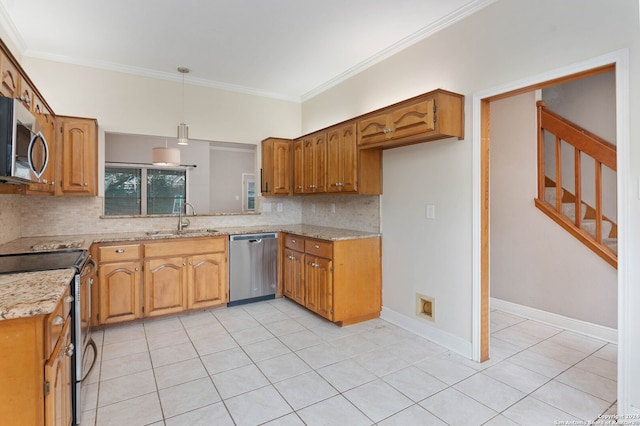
(279,207)
(430,211)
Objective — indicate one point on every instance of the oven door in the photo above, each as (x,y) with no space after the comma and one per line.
(86,353)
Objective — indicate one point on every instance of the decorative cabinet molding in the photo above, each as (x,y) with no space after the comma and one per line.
(428,117)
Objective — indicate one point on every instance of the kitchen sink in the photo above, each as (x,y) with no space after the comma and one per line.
(167,233)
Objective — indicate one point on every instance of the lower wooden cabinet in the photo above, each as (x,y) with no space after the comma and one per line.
(164,286)
(36,368)
(119,283)
(207,280)
(57,378)
(160,277)
(339,280)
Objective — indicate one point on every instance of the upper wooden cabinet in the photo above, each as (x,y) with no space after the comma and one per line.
(310,164)
(342,149)
(276,167)
(10,84)
(432,116)
(77,156)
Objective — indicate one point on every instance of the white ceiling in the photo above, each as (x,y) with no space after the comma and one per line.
(287,49)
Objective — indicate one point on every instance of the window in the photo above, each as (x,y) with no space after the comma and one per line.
(124,193)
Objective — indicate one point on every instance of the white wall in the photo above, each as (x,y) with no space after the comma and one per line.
(535,262)
(501,44)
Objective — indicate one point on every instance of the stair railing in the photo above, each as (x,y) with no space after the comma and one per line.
(583,141)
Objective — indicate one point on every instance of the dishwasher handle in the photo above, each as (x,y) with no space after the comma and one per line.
(256,241)
(253,238)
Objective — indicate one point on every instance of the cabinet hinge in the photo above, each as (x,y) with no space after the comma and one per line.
(47,388)
(143,309)
(435,110)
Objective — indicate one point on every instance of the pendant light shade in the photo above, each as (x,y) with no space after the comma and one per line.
(183,134)
(168,157)
(183,129)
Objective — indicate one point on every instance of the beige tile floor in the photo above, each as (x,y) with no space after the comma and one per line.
(276,363)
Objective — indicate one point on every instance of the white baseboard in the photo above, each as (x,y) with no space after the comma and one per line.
(428,331)
(577,326)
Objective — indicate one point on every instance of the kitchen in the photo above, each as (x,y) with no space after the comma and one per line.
(71,88)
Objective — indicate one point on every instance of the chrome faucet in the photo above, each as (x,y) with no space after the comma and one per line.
(184,222)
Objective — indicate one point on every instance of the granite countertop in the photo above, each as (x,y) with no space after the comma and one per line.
(84,241)
(37,293)
(28,294)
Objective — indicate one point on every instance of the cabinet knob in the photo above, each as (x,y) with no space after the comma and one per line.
(291,257)
(316,246)
(120,250)
(68,299)
(293,241)
(68,350)
(58,320)
(86,184)
(137,269)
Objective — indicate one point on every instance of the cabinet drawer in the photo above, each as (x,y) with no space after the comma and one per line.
(55,322)
(294,242)
(319,248)
(118,253)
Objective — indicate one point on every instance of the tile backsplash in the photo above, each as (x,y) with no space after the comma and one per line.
(31,216)
(10,217)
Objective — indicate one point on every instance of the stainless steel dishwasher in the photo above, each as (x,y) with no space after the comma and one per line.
(253,267)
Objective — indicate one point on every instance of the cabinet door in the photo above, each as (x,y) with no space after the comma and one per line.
(77,157)
(294,275)
(319,286)
(342,159)
(374,129)
(207,280)
(298,166)
(315,163)
(413,119)
(165,286)
(282,167)
(57,376)
(120,292)
(10,84)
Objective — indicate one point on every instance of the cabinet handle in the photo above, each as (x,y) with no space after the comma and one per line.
(120,250)
(317,246)
(291,257)
(68,299)
(68,350)
(293,241)
(58,320)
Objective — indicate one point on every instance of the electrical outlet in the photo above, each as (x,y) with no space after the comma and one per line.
(333,208)
(313,207)
(279,207)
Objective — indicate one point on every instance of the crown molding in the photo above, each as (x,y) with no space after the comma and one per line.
(414,38)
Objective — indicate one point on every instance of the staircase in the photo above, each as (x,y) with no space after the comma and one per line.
(586,223)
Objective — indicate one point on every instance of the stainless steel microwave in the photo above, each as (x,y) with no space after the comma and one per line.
(24,152)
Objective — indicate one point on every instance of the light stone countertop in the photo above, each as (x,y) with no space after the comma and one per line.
(84,241)
(36,293)
(28,294)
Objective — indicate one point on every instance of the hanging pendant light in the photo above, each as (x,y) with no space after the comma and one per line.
(165,156)
(183,129)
